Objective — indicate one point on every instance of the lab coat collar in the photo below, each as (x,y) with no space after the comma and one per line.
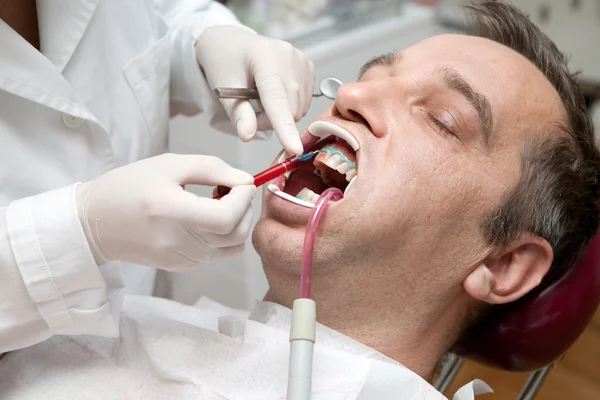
(26,73)
(62,25)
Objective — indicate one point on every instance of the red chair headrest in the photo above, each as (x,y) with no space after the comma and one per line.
(541,329)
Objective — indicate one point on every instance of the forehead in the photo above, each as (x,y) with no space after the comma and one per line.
(516,89)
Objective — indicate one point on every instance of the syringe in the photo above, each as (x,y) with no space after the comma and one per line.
(287,165)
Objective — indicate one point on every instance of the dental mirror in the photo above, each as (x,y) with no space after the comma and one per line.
(329,87)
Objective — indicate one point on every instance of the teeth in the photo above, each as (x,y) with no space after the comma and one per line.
(303,195)
(343,168)
(351,175)
(301,202)
(325,129)
(333,161)
(304,203)
(277,192)
(308,195)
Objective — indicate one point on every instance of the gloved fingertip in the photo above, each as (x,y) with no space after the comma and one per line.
(248,138)
(295,146)
(245,132)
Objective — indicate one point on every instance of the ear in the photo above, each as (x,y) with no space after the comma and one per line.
(512,273)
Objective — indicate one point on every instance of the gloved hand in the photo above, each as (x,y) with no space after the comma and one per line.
(235,57)
(140,213)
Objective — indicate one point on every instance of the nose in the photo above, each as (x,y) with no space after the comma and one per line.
(360,102)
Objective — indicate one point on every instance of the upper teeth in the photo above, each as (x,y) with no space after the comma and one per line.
(336,160)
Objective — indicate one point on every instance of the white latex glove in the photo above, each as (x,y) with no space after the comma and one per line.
(235,57)
(140,213)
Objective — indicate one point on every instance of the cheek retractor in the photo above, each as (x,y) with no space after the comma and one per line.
(304,312)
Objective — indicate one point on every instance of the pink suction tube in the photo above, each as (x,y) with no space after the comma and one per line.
(331,194)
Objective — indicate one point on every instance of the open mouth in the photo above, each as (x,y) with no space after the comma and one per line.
(335,166)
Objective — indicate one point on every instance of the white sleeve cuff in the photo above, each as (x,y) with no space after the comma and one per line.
(58,268)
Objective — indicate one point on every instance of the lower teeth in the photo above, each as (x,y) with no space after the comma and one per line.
(307,195)
(280,193)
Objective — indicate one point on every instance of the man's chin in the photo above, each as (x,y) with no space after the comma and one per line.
(277,244)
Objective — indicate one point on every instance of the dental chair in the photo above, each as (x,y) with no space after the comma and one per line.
(541,330)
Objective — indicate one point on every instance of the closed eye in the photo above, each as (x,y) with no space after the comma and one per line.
(443,128)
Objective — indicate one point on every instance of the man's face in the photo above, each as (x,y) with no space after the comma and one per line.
(441,128)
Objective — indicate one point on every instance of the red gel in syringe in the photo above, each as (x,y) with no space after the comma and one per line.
(287,165)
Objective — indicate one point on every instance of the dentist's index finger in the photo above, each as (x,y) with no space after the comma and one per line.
(277,107)
(195,169)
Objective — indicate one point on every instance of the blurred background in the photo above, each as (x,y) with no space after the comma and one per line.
(339,36)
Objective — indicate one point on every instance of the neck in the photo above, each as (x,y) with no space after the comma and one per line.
(412,324)
(21,16)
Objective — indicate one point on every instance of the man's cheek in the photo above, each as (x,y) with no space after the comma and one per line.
(461,195)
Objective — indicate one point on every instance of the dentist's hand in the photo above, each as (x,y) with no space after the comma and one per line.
(234,57)
(140,213)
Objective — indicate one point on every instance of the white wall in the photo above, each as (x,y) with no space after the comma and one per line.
(239,282)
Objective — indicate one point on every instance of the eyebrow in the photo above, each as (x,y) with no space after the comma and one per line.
(456,82)
(384,60)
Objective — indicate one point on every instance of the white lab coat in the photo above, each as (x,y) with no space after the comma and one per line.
(96,97)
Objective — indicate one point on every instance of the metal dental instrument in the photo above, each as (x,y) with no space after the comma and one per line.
(328,88)
(287,165)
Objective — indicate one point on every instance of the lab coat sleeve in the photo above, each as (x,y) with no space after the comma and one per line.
(49,281)
(189,91)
